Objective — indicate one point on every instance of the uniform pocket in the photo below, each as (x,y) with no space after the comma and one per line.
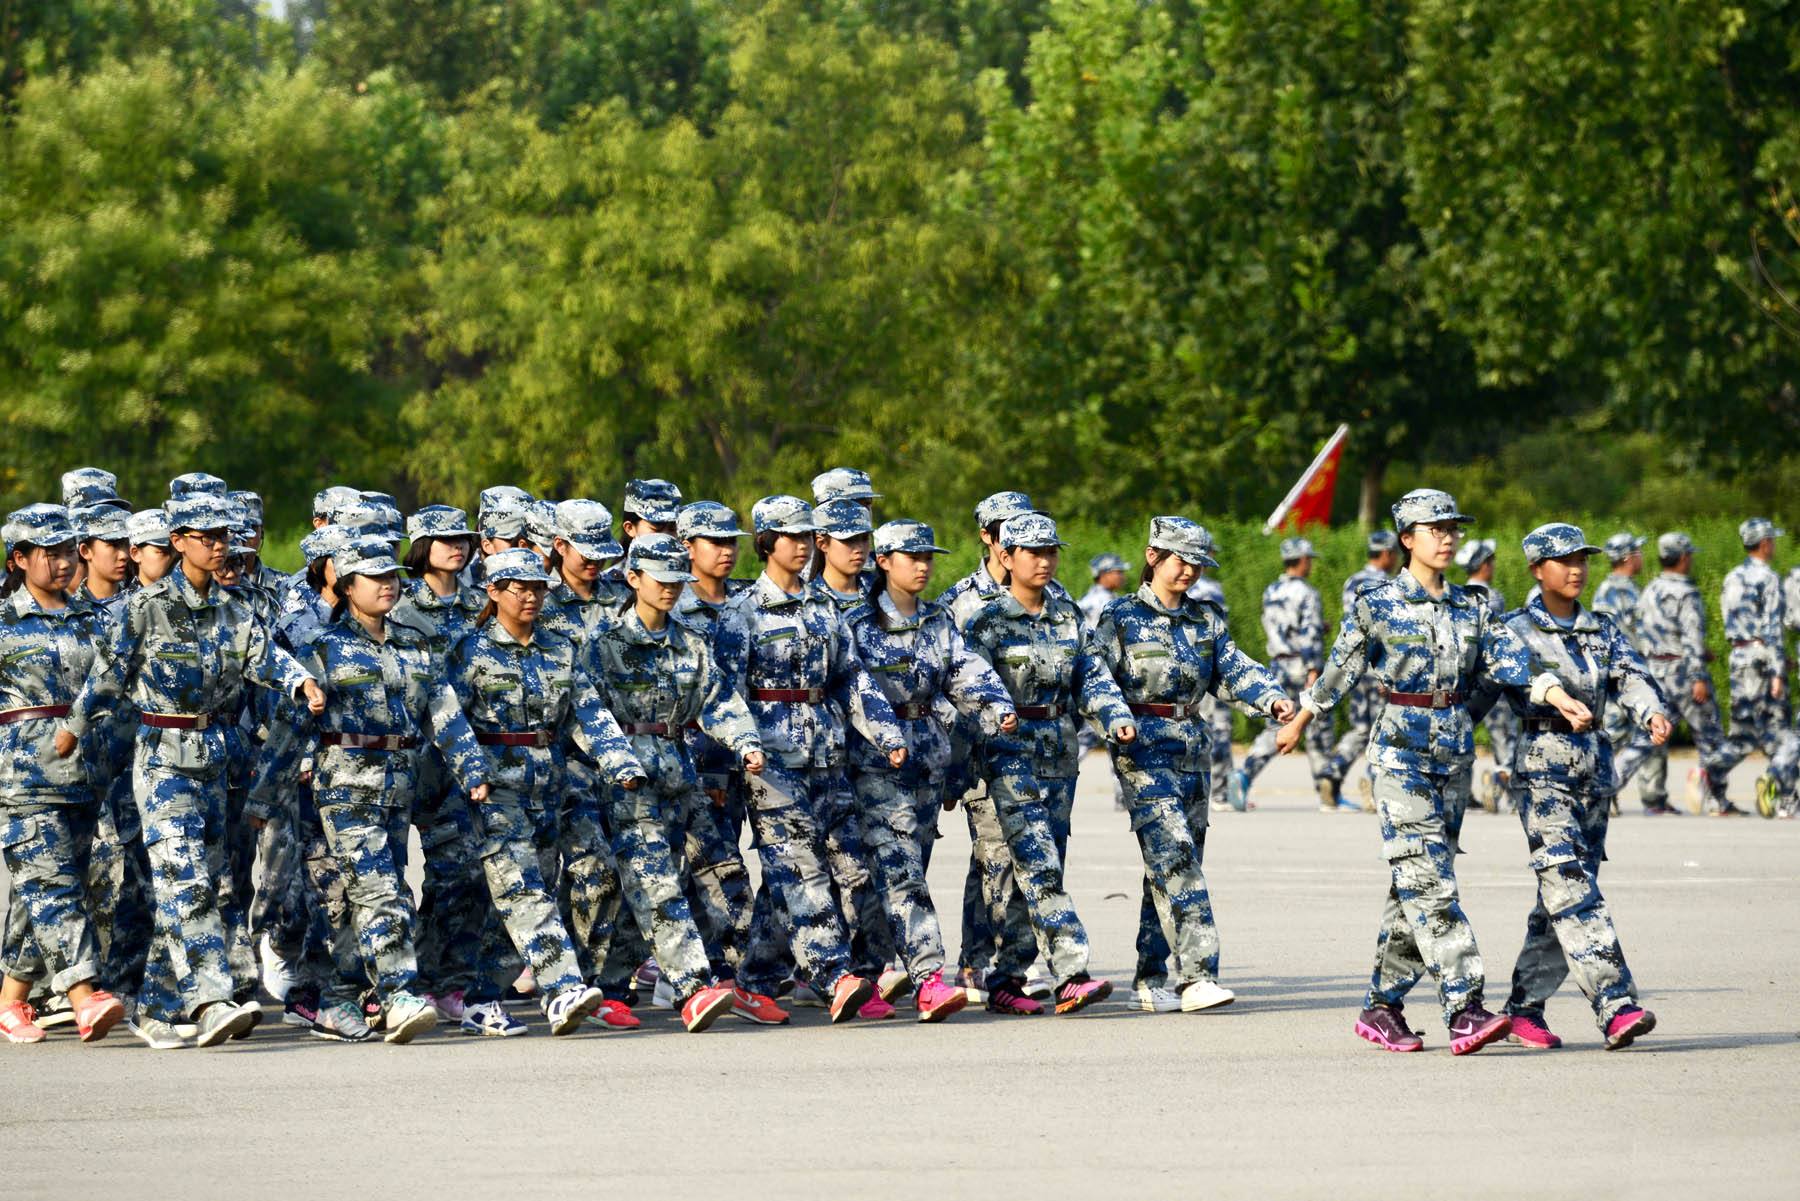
(17,829)
(183,824)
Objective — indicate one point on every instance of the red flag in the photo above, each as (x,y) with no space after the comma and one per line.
(1308,502)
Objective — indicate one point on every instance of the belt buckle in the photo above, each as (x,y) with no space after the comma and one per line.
(541,739)
(814,695)
(202,720)
(1440,698)
(390,742)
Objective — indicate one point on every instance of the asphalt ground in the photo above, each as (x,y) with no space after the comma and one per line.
(1270,1097)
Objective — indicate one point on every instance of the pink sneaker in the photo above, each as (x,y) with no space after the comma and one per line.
(451,1006)
(937,1000)
(875,1009)
(1077,995)
(1531,1032)
(1009,998)
(1627,1025)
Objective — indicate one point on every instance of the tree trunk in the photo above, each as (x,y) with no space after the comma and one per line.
(1368,503)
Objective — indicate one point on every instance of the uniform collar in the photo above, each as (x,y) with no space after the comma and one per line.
(634,630)
(22,605)
(1147,594)
(768,596)
(1585,622)
(898,621)
(189,595)
(1413,591)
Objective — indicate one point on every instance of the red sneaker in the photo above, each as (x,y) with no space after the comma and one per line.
(848,998)
(1627,1025)
(1528,1031)
(704,1008)
(614,1015)
(98,1014)
(18,1023)
(1474,1028)
(755,1008)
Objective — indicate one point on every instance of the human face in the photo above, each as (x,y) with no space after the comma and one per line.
(48,568)
(107,560)
(202,550)
(791,551)
(1433,546)
(652,593)
(714,558)
(449,555)
(1563,578)
(845,556)
(1174,574)
(373,595)
(575,566)
(1032,566)
(230,572)
(519,601)
(493,546)
(153,562)
(909,573)
(1386,561)
(1112,581)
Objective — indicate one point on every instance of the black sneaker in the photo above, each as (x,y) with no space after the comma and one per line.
(1387,1029)
(1474,1028)
(301,1007)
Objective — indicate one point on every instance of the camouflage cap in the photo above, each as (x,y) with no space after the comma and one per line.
(1106,561)
(368,520)
(1755,531)
(1473,553)
(906,537)
(1382,541)
(842,483)
(1029,529)
(1675,544)
(438,521)
(660,557)
(196,483)
(379,499)
(199,511)
(252,503)
(148,527)
(519,563)
(843,519)
(364,556)
(107,523)
(656,501)
(1556,540)
(506,525)
(1182,538)
(502,498)
(1426,506)
(327,501)
(1207,543)
(586,525)
(707,519)
(1622,546)
(37,525)
(540,524)
(1295,549)
(782,515)
(324,542)
(1000,506)
(87,486)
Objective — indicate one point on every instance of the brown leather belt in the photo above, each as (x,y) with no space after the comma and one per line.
(792,696)
(1548,725)
(185,721)
(368,742)
(1178,712)
(1663,658)
(656,729)
(535,738)
(1041,712)
(912,710)
(1442,698)
(9,716)
(1747,642)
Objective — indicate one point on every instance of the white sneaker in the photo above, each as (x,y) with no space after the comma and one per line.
(156,1034)
(1039,985)
(1204,994)
(570,1007)
(490,1020)
(894,982)
(405,1017)
(805,996)
(223,1020)
(1154,999)
(662,996)
(342,1023)
(278,976)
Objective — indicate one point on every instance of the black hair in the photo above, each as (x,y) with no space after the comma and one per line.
(315,574)
(1666,559)
(1153,557)
(765,543)
(878,585)
(418,558)
(15,575)
(341,607)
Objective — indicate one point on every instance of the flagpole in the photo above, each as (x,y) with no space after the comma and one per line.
(1287,502)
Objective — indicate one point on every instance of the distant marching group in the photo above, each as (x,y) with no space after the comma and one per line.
(212,770)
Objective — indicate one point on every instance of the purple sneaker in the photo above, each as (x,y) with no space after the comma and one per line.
(1474,1028)
(1387,1029)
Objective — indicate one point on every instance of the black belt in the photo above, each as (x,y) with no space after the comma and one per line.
(1041,712)
(368,742)
(1548,725)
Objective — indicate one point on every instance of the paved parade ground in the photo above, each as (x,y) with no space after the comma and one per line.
(1272,1096)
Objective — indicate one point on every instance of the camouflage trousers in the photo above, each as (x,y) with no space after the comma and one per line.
(453,895)
(786,805)
(1702,718)
(1168,810)
(278,908)
(587,886)
(1361,708)
(649,827)
(1759,722)
(1634,755)
(899,825)
(1218,713)
(1034,818)
(717,882)
(1503,736)
(1316,741)
(118,884)
(367,836)
(48,935)
(1423,927)
(519,859)
(185,838)
(1570,929)
(330,959)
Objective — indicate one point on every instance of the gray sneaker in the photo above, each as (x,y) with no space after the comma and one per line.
(222,1020)
(340,1022)
(156,1034)
(405,1017)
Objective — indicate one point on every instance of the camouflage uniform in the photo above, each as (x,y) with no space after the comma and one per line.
(1563,781)
(184,658)
(1616,597)
(1050,669)
(1502,724)
(1436,648)
(1751,605)
(1216,713)
(525,702)
(1164,661)
(1293,620)
(931,678)
(1365,698)
(796,646)
(1671,624)
(47,805)
(658,683)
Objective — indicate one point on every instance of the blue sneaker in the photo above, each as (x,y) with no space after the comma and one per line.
(1346,805)
(491,1020)
(1237,790)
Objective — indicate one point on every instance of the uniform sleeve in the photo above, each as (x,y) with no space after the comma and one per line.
(1691,620)
(116,663)
(1504,661)
(1097,694)
(597,732)
(1348,660)
(724,716)
(268,664)
(863,700)
(455,737)
(1630,679)
(973,685)
(275,777)
(1239,678)
(1274,635)
(1310,633)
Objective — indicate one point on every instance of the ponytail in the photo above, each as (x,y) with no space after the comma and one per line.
(15,577)
(1153,558)
(487,613)
(877,586)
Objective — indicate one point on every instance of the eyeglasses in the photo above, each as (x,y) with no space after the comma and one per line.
(1443,533)
(210,537)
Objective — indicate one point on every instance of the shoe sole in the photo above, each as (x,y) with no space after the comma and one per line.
(296,1019)
(239,1023)
(712,1013)
(571,1021)
(490,1032)
(1631,1033)
(62,1017)
(109,1017)
(1369,1034)
(1186,1008)
(749,1015)
(23,1040)
(844,1008)
(336,1036)
(1499,1028)
(1141,1006)
(157,1043)
(256,1017)
(951,1005)
(1532,1044)
(1086,999)
(411,1028)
